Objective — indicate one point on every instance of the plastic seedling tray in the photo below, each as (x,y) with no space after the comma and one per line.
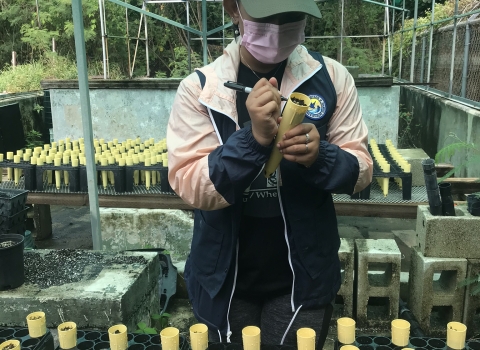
(96,340)
(12,201)
(26,342)
(385,343)
(118,175)
(73,176)
(395,172)
(164,185)
(237,346)
(28,173)
(8,222)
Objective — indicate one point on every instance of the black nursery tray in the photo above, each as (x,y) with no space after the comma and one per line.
(395,172)
(26,342)
(385,343)
(237,346)
(12,201)
(97,340)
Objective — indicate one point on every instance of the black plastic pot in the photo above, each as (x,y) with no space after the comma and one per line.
(11,262)
(448,207)
(431,184)
(475,210)
(472,199)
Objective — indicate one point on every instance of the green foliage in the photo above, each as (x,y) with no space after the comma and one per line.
(179,64)
(33,139)
(161,321)
(144,329)
(447,152)
(471,281)
(408,131)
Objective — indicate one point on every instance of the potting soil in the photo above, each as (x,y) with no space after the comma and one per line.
(68,266)
(7,244)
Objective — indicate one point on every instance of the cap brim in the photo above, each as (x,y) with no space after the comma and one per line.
(267,8)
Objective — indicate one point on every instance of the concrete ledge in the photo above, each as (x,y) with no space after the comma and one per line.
(125,229)
(472,302)
(347,261)
(448,236)
(107,288)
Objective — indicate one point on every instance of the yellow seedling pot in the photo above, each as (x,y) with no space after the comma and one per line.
(58,173)
(16,160)
(400,332)
(306,339)
(251,338)
(118,337)
(346,330)
(199,336)
(349,347)
(170,338)
(104,162)
(456,333)
(67,335)
(37,324)
(9,343)
(147,173)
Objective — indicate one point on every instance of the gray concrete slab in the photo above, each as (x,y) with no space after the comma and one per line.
(124,229)
(448,236)
(93,289)
(346,254)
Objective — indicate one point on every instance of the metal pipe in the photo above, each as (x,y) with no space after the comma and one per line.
(144,7)
(445,20)
(383,45)
(136,44)
(430,44)
(102,29)
(392,34)
(389,6)
(189,49)
(106,37)
(87,122)
(414,38)
(452,59)
(387,22)
(204,32)
(465,60)
(401,44)
(341,31)
(422,64)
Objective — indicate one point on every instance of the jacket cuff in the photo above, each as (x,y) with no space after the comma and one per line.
(253,143)
(320,161)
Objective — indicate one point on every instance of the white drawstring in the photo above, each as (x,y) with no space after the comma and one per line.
(219,335)
(290,325)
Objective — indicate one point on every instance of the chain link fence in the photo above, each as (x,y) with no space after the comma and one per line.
(466,56)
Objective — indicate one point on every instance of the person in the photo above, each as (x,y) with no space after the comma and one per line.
(264,251)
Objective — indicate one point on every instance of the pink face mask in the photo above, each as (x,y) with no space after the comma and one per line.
(272,43)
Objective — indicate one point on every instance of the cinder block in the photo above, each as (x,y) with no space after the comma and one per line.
(347,261)
(448,236)
(435,298)
(415,156)
(471,309)
(378,282)
(349,232)
(124,229)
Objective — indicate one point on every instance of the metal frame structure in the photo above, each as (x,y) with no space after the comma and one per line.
(203,35)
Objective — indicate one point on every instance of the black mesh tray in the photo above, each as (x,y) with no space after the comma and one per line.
(12,201)
(26,342)
(385,343)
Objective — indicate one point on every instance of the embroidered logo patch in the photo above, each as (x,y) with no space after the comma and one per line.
(317,108)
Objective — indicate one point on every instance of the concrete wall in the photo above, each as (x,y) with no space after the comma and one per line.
(127,109)
(434,118)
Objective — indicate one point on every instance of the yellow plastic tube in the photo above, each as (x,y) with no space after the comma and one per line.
(66,161)
(199,336)
(10,344)
(136,174)
(58,173)
(118,337)
(293,114)
(67,335)
(104,162)
(10,170)
(111,161)
(16,160)
(170,338)
(306,339)
(147,173)
(346,330)
(251,338)
(37,324)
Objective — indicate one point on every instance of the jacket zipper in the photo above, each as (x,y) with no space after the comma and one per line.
(281,205)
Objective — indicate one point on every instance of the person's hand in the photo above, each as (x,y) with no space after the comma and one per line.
(301,144)
(263,105)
